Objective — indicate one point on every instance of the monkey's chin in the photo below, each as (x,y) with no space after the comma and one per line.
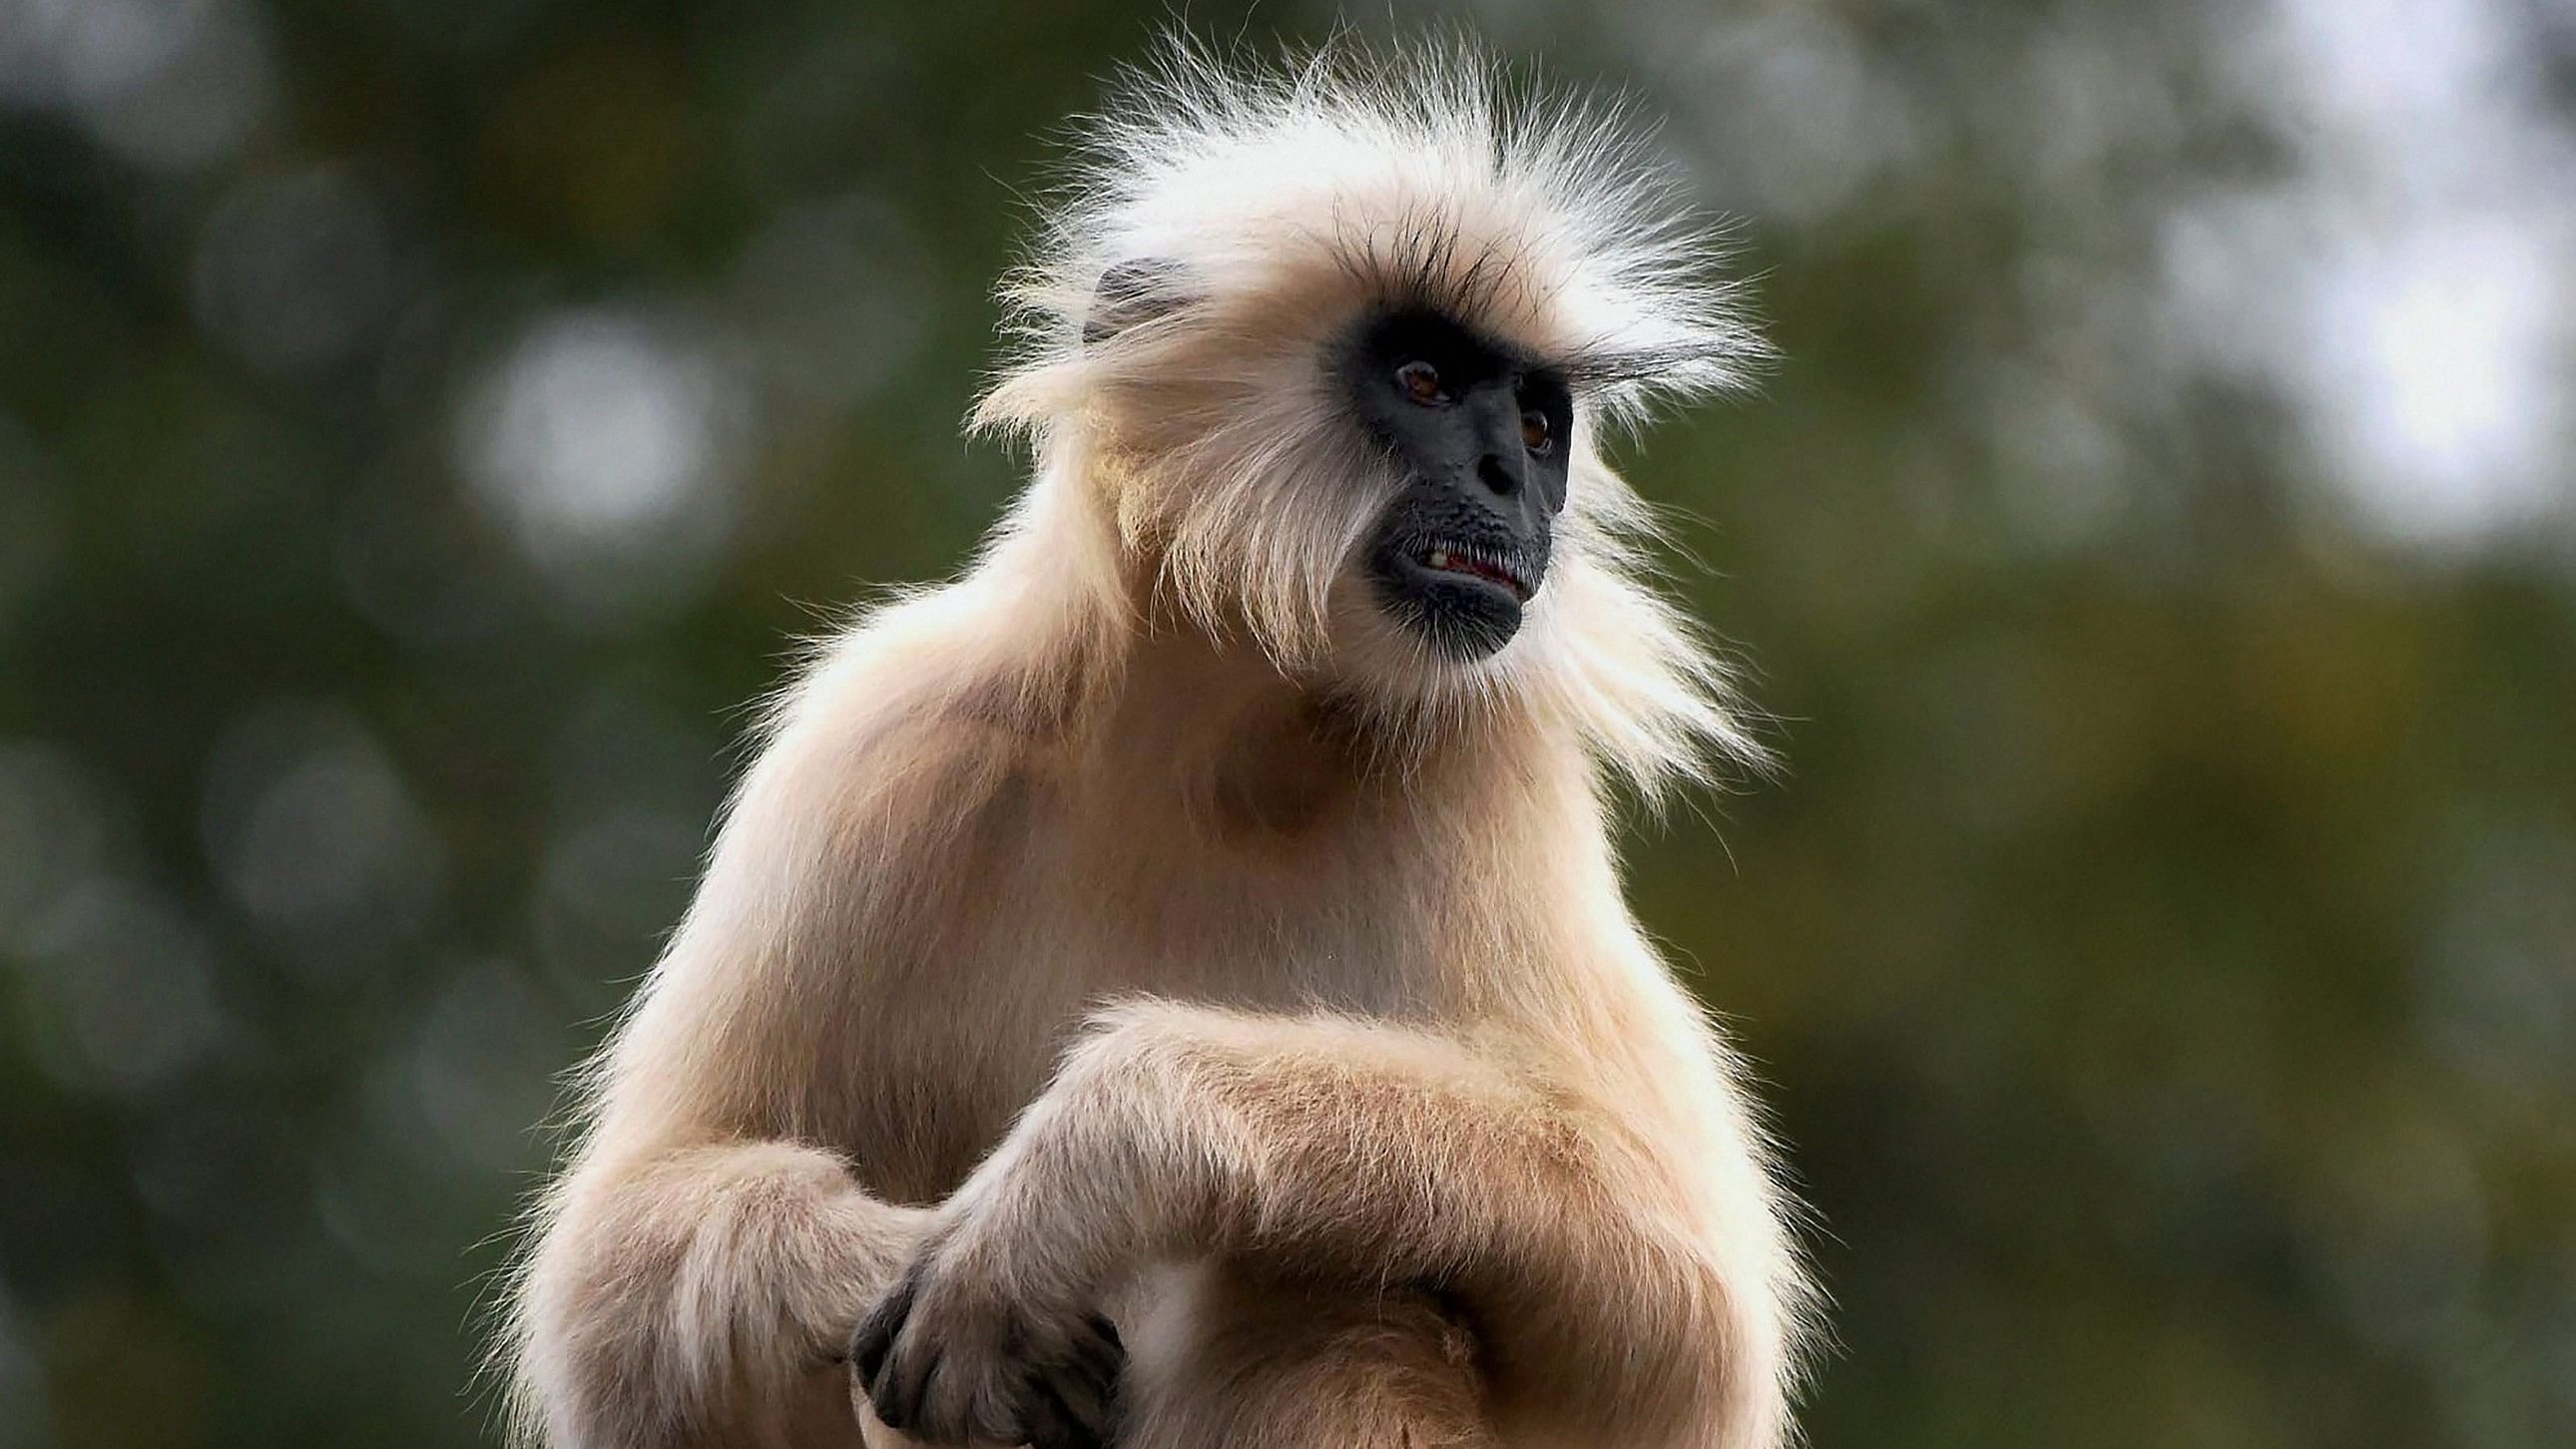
(1461,615)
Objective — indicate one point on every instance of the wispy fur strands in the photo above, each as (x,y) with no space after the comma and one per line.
(1398,1132)
(1433,179)
(1222,232)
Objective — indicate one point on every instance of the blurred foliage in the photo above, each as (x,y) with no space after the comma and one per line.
(424,424)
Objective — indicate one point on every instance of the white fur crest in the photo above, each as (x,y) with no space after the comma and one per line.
(1226,230)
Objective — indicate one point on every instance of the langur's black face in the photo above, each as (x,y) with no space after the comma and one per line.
(1480,437)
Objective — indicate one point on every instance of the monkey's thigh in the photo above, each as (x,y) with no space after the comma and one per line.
(1220,1355)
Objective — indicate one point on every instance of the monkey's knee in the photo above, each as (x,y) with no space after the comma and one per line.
(1263,1366)
(1403,1375)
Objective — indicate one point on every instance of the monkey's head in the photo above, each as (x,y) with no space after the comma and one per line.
(1330,353)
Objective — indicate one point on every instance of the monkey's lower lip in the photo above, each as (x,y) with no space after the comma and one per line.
(1475,563)
(1466,601)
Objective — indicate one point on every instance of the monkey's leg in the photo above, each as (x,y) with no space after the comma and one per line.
(1230,1357)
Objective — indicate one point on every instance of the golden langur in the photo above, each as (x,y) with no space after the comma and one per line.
(1170,987)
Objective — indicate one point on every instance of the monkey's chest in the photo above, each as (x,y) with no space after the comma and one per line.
(973,1021)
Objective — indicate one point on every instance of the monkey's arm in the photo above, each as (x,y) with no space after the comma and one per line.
(696,1270)
(700,1294)
(1349,1151)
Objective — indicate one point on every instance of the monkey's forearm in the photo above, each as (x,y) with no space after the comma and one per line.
(702,1296)
(1325,1144)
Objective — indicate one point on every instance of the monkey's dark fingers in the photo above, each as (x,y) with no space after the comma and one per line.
(1055,1423)
(895,1365)
(874,1338)
(1097,1358)
(898,1393)
(1101,1349)
(1086,1384)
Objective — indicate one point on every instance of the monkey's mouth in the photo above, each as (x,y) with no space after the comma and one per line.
(1490,565)
(1465,598)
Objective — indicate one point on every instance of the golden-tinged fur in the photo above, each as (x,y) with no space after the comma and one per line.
(1145,924)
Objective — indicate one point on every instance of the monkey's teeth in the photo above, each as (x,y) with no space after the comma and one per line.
(1438,559)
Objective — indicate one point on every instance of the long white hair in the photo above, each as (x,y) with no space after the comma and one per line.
(1224,228)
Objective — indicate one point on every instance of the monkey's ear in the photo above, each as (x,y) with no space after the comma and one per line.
(1131,292)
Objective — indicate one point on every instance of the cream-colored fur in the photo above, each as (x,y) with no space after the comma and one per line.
(1143,924)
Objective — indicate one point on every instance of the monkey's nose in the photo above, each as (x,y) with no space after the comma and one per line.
(1501,476)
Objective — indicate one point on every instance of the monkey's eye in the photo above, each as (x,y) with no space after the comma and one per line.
(1421,382)
(1536,434)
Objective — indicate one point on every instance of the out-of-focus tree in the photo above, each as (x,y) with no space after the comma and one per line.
(424,424)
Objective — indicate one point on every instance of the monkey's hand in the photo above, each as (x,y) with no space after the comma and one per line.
(961,1351)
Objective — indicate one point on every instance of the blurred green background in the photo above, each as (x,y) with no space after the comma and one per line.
(425,423)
